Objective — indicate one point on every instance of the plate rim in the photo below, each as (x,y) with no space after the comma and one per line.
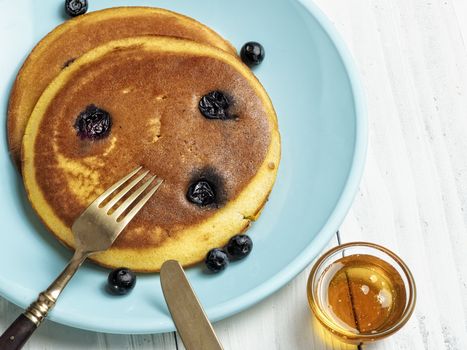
(346,198)
(246,300)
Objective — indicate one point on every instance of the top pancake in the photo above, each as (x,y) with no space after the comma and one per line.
(151,86)
(77,36)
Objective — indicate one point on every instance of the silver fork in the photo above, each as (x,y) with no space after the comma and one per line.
(94,231)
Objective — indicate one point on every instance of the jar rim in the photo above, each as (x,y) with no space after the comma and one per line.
(408,310)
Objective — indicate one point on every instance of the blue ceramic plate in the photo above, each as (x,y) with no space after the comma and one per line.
(312,82)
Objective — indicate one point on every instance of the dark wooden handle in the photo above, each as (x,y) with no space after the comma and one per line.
(17,334)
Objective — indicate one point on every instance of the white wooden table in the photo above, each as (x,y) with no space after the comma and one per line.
(412,57)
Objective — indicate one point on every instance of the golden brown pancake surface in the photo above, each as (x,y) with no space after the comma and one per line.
(151,87)
(77,36)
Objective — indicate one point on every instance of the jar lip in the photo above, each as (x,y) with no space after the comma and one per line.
(365,336)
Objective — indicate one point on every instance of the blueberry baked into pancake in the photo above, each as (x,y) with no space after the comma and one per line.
(189,112)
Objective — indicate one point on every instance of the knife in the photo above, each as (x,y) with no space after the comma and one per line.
(187,313)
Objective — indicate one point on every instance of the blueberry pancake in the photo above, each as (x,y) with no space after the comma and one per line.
(76,36)
(190,113)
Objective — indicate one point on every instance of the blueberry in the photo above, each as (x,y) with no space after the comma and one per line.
(239,247)
(201,192)
(252,53)
(75,8)
(93,123)
(216,260)
(214,105)
(121,281)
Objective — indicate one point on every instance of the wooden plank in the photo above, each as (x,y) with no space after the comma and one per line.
(413,193)
(458,10)
(52,335)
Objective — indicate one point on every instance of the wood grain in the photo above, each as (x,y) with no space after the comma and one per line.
(412,58)
(52,335)
(412,195)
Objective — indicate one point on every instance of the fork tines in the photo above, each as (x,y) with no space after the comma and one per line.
(132,198)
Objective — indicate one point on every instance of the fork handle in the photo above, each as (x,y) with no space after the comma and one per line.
(17,334)
(22,328)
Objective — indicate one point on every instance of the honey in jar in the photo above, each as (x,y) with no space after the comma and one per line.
(362,294)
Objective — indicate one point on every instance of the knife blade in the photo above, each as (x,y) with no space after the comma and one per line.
(191,322)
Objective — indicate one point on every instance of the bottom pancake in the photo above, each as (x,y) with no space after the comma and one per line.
(188,112)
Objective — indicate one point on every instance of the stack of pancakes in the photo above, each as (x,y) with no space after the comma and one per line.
(148,68)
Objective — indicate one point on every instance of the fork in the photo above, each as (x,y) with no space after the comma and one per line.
(94,231)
